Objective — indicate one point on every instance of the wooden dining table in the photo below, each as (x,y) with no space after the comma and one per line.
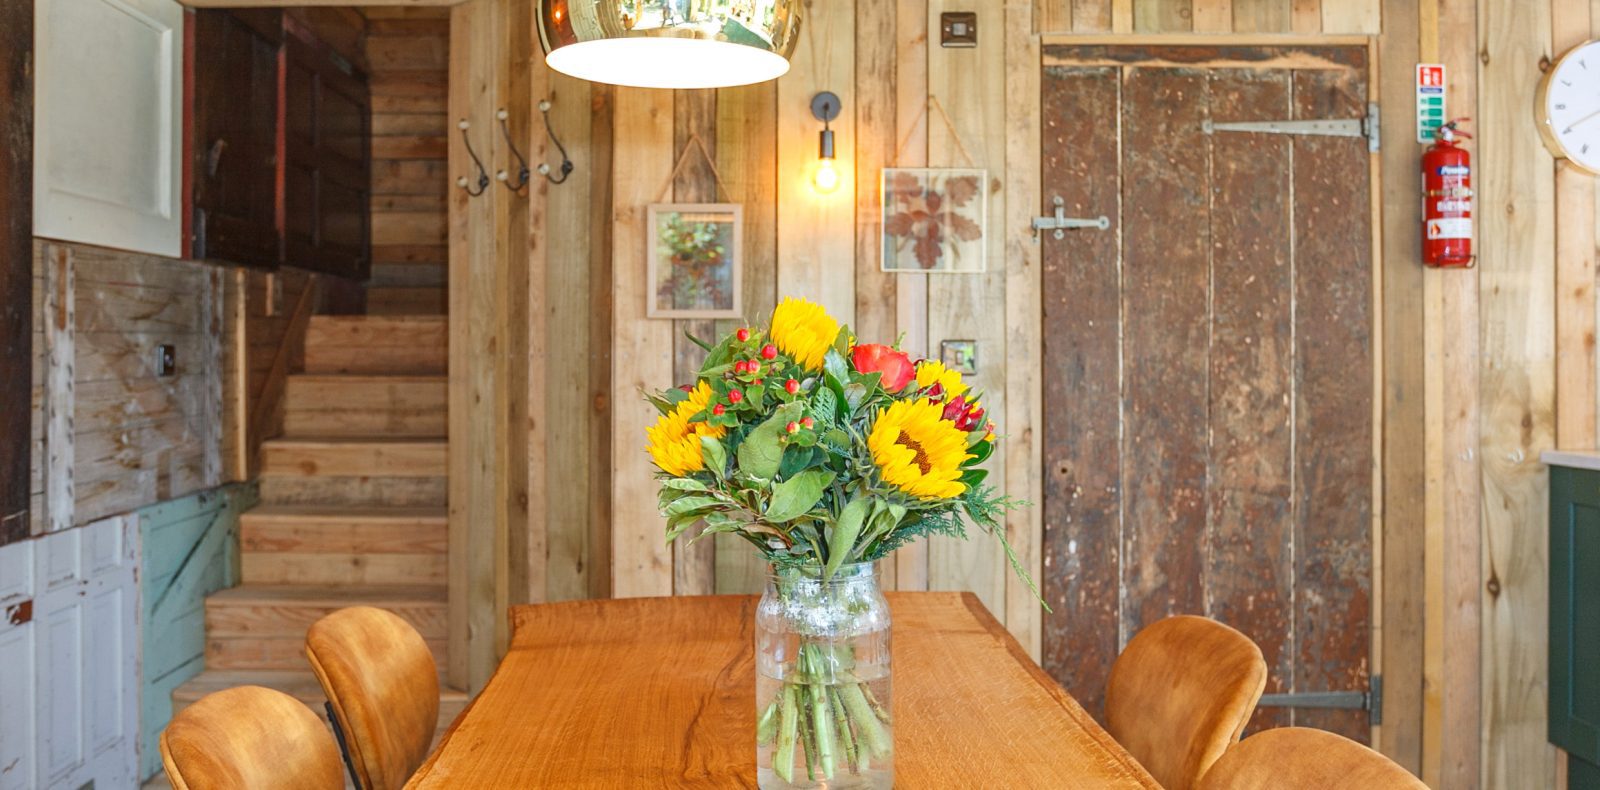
(660,692)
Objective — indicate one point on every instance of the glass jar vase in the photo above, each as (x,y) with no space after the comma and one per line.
(823,715)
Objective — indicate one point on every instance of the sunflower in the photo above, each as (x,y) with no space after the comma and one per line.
(917,451)
(931,372)
(804,331)
(675,442)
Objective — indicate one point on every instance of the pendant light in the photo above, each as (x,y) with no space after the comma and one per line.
(670,43)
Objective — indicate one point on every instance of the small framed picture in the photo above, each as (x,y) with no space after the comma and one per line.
(693,261)
(935,219)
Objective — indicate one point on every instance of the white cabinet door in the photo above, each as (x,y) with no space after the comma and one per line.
(108,133)
(70,645)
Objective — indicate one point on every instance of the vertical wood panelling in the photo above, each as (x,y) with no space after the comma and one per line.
(1262,16)
(694,116)
(641,560)
(1023,322)
(1333,412)
(1576,396)
(1162,16)
(1252,442)
(521,256)
(16,267)
(969,84)
(911,150)
(747,138)
(603,399)
(816,236)
(1516,277)
(1351,16)
(1091,16)
(1213,16)
(1081,320)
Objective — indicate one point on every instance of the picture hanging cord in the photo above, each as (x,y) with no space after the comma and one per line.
(933,101)
(683,157)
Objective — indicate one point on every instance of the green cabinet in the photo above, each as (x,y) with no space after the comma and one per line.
(1575,620)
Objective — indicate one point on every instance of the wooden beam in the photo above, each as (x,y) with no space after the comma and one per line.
(1024,398)
(16,266)
(60,335)
(521,315)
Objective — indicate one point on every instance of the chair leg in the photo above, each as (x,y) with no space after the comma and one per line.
(338,735)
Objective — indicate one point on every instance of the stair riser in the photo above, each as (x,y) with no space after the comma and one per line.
(323,407)
(346,491)
(339,568)
(278,652)
(243,620)
(423,459)
(309,535)
(377,345)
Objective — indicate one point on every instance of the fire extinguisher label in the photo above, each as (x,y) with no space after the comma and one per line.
(1459,228)
(1454,170)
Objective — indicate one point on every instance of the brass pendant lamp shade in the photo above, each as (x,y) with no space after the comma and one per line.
(670,43)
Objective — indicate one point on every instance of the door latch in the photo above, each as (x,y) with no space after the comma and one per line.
(1060,222)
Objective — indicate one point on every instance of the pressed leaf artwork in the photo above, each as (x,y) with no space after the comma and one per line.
(934,219)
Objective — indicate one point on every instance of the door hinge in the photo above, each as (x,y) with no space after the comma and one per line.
(1370,700)
(1327,127)
(1060,222)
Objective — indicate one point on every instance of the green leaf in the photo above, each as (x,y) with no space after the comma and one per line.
(972,477)
(796,459)
(684,483)
(854,394)
(697,341)
(833,364)
(715,454)
(844,534)
(690,504)
(980,452)
(825,404)
(796,496)
(762,451)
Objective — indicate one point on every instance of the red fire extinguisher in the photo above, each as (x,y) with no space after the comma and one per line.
(1447,200)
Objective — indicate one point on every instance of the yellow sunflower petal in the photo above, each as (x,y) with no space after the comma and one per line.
(931,372)
(918,451)
(674,442)
(804,331)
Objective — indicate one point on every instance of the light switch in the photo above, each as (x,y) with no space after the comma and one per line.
(960,355)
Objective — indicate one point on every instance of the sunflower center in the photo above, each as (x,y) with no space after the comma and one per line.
(922,456)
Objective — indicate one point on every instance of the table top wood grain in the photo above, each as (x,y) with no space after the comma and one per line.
(660,692)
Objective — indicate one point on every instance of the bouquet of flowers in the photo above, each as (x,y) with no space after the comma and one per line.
(823,453)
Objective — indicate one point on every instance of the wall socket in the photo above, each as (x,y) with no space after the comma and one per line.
(166,359)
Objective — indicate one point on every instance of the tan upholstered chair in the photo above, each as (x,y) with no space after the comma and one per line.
(1291,757)
(384,690)
(1180,693)
(250,737)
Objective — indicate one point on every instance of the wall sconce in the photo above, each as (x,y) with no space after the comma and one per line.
(825,107)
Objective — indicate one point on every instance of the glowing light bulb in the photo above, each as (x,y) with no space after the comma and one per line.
(826,177)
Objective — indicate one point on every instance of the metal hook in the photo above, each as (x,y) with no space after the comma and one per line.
(522,166)
(566,162)
(483,174)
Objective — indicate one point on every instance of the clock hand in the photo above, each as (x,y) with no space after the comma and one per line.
(1580,121)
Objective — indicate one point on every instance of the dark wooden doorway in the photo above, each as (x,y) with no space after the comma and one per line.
(1209,362)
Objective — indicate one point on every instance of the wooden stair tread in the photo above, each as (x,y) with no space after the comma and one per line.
(329,595)
(371,378)
(349,513)
(319,441)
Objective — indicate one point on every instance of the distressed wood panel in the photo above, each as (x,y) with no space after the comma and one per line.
(1162,16)
(16,266)
(1252,438)
(911,289)
(1081,449)
(1166,242)
(1333,482)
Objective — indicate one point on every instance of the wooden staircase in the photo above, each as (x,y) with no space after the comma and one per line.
(353,508)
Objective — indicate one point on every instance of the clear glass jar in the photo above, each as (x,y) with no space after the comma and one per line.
(823,715)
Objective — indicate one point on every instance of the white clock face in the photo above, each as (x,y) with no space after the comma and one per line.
(1571,111)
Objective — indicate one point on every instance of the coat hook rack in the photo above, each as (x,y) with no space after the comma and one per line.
(566,162)
(483,174)
(522,163)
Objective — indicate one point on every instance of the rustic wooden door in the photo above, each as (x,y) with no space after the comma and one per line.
(1209,362)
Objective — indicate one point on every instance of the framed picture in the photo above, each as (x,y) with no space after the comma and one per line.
(935,219)
(693,260)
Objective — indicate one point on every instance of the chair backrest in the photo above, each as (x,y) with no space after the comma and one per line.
(1304,757)
(384,687)
(1180,693)
(250,737)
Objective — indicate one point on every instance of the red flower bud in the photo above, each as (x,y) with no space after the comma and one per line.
(734,396)
(743,334)
(758,382)
(769,351)
(793,426)
(936,392)
(686,388)
(791,386)
(955,408)
(969,420)
(752,367)
(718,410)
(894,365)
(807,421)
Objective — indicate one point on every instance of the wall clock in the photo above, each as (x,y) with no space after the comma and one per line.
(1568,107)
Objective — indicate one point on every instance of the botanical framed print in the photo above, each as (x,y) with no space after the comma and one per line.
(693,262)
(935,219)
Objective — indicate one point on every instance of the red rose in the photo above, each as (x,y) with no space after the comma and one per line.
(894,365)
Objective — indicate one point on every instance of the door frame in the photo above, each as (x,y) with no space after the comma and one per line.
(1026,318)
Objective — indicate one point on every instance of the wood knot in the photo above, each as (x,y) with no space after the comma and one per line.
(1493,585)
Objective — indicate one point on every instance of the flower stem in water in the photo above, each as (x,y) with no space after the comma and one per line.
(789,720)
(844,729)
(873,737)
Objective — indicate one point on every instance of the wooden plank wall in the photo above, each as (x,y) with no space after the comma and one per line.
(109,434)
(407,50)
(16,269)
